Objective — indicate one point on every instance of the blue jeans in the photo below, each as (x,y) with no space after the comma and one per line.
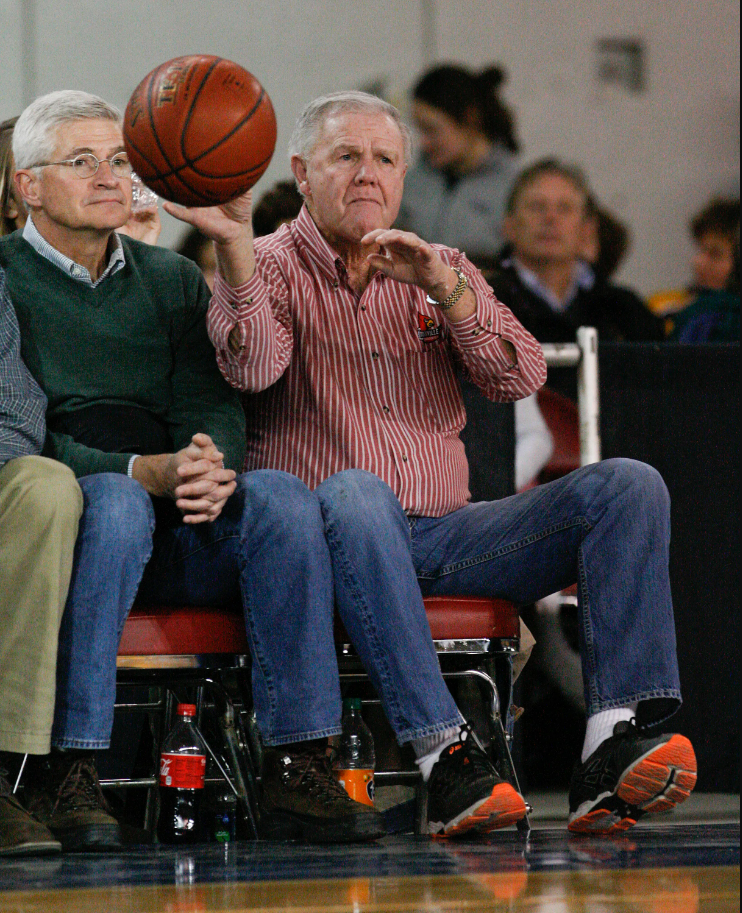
(268,549)
(114,541)
(605,527)
(293,556)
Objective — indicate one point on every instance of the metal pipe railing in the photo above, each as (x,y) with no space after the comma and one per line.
(583,355)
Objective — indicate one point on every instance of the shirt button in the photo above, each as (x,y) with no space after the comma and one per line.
(363,307)
(404,458)
(386,409)
(489,323)
(375,356)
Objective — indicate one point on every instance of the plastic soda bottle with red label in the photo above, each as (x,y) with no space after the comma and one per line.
(182,776)
(355,759)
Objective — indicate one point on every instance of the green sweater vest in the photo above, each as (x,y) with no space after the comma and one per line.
(138,339)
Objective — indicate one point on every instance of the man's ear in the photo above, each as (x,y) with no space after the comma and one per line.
(28,184)
(299,170)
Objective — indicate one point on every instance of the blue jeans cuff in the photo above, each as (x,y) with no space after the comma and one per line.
(82,744)
(667,702)
(276,741)
(409,735)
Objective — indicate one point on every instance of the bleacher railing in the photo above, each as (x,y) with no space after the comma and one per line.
(583,355)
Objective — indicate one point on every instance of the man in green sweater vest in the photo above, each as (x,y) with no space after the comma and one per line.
(114,332)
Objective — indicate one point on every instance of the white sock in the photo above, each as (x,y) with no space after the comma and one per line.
(600,727)
(429,749)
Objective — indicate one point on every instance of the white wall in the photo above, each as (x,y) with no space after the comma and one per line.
(654,158)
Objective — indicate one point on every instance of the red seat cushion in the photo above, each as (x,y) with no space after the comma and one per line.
(471,617)
(178,630)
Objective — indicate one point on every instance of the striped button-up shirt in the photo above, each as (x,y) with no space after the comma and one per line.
(341,380)
(22,404)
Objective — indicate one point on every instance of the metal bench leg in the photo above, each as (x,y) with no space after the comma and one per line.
(245,781)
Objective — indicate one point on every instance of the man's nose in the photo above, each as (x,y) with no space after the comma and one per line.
(366,172)
(104,174)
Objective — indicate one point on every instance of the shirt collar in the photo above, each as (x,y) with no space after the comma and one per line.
(313,248)
(583,279)
(116,260)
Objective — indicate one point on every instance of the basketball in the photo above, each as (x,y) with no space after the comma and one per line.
(199,130)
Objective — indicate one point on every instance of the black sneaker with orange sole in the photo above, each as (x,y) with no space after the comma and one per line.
(628,776)
(466,795)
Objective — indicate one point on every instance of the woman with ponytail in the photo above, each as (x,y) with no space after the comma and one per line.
(456,192)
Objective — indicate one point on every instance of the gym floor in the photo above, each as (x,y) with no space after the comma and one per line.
(683,862)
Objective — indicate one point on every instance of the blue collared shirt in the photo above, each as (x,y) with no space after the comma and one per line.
(583,279)
(116,261)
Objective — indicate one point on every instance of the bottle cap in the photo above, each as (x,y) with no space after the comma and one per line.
(186,710)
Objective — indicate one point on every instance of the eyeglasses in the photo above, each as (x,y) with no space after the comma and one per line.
(86,165)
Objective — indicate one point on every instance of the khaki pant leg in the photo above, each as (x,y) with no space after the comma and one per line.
(40,506)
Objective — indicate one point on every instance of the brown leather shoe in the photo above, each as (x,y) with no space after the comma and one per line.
(20,833)
(303,800)
(63,792)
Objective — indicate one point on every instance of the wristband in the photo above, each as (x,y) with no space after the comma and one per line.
(130,467)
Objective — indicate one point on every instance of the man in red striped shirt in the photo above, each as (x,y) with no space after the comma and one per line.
(347,331)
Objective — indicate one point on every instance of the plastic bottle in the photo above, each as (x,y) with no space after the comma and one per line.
(182,777)
(355,759)
(223,816)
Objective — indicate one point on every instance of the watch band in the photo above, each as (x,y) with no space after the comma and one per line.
(459,289)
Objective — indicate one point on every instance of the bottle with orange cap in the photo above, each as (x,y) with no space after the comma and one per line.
(355,758)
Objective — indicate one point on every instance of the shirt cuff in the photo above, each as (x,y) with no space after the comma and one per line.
(236,301)
(482,331)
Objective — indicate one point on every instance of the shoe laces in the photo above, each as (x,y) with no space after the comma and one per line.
(462,759)
(312,772)
(81,788)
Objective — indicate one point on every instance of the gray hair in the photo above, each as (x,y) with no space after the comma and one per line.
(312,119)
(570,172)
(34,136)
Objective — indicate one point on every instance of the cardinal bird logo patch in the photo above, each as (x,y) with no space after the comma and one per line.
(427,329)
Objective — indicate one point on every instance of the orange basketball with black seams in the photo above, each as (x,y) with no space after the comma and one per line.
(199,130)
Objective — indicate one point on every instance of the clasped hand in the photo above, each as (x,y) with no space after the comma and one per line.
(203,484)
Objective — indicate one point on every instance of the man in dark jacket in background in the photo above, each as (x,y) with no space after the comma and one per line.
(541,276)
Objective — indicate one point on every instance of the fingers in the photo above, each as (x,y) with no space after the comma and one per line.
(184,213)
(223,224)
(202,483)
(201,439)
(239,210)
(206,508)
(193,468)
(387,237)
(192,458)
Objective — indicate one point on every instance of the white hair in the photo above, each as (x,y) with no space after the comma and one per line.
(35,133)
(312,119)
